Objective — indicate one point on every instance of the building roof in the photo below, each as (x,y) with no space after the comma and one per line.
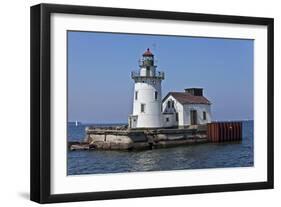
(147,53)
(187,98)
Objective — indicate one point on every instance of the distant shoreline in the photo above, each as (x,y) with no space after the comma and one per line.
(97,124)
(118,124)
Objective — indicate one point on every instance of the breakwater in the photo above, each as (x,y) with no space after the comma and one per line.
(122,138)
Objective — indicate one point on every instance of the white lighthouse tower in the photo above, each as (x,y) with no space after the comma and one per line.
(147,112)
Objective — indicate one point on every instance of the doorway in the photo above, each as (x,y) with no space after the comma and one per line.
(193,117)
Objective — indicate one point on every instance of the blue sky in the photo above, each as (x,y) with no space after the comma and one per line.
(100,88)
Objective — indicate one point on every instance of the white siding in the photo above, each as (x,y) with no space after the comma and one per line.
(132,121)
(169,120)
(200,108)
(177,108)
(184,112)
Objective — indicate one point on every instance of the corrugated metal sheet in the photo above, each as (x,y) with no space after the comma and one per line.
(224,131)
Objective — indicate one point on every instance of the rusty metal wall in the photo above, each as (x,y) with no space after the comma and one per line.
(224,131)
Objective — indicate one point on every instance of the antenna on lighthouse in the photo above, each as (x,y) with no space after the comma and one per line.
(154,47)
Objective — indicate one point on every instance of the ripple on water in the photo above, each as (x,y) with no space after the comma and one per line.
(201,156)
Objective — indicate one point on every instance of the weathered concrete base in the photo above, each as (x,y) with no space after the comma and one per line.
(128,139)
(121,138)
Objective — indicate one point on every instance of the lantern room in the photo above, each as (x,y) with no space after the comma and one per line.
(147,59)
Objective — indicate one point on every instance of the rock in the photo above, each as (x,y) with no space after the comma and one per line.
(79,147)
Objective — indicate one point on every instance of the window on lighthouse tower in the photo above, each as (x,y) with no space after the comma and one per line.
(142,108)
(156,95)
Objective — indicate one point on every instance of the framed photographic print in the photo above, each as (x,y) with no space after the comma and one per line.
(132,103)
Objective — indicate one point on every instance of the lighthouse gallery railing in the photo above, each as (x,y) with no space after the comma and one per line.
(158,74)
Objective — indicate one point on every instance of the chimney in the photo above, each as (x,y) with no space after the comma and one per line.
(194,91)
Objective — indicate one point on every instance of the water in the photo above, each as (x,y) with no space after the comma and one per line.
(208,155)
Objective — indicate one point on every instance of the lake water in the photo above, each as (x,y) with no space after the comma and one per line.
(208,155)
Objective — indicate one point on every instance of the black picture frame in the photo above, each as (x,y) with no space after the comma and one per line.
(41,98)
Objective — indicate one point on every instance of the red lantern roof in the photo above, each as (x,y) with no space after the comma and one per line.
(147,53)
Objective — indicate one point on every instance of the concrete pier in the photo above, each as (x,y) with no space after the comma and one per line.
(129,139)
(122,138)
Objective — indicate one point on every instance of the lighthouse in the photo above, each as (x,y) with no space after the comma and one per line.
(147,103)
